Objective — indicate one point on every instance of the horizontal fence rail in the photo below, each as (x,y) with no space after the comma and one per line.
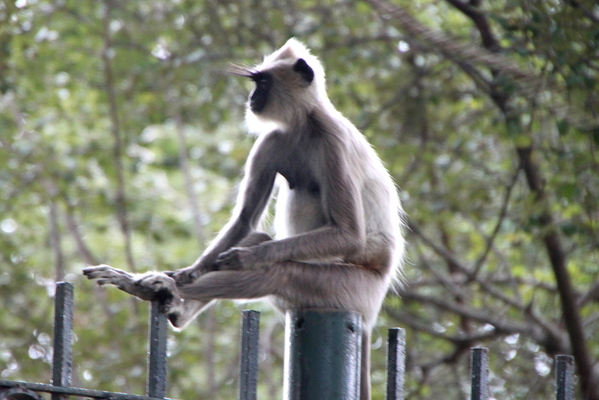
(67,391)
(156,386)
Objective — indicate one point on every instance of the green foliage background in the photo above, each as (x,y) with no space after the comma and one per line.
(121,141)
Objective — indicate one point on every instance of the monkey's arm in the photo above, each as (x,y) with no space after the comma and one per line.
(254,193)
(343,236)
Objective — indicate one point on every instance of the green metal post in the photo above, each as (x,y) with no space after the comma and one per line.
(322,355)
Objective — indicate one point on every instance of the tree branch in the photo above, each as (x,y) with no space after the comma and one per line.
(584,10)
(590,295)
(185,170)
(442,251)
(458,339)
(120,199)
(551,239)
(480,316)
(506,201)
(466,56)
(449,46)
(55,240)
(557,259)
(73,228)
(488,39)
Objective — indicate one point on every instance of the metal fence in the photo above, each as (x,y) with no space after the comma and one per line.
(61,389)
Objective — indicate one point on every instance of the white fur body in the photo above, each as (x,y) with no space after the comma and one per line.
(338,218)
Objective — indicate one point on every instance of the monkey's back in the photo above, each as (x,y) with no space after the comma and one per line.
(382,208)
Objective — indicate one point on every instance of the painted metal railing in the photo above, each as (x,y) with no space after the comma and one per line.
(63,359)
(319,343)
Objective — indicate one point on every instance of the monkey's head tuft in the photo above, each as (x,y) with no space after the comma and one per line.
(289,84)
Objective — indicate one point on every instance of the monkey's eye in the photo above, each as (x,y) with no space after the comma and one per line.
(261,78)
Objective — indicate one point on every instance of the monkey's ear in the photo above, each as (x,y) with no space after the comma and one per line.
(302,68)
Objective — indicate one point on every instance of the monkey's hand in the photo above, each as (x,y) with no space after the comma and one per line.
(189,274)
(236,258)
(149,286)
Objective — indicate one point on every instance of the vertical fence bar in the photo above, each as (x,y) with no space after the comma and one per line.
(62,361)
(564,377)
(323,353)
(479,372)
(156,385)
(248,365)
(396,363)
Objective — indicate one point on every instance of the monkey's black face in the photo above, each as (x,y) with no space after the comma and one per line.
(259,96)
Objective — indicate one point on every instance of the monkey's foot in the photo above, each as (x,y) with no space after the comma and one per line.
(164,288)
(235,259)
(149,286)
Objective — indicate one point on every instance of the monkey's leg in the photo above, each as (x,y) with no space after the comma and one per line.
(187,275)
(298,285)
(149,286)
(301,284)
(105,274)
(248,284)
(180,314)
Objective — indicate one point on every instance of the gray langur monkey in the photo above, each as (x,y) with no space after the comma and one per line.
(338,219)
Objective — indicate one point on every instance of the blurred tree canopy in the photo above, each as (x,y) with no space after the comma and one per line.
(121,141)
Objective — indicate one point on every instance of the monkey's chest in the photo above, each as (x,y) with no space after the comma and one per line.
(302,180)
(299,203)
(298,211)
